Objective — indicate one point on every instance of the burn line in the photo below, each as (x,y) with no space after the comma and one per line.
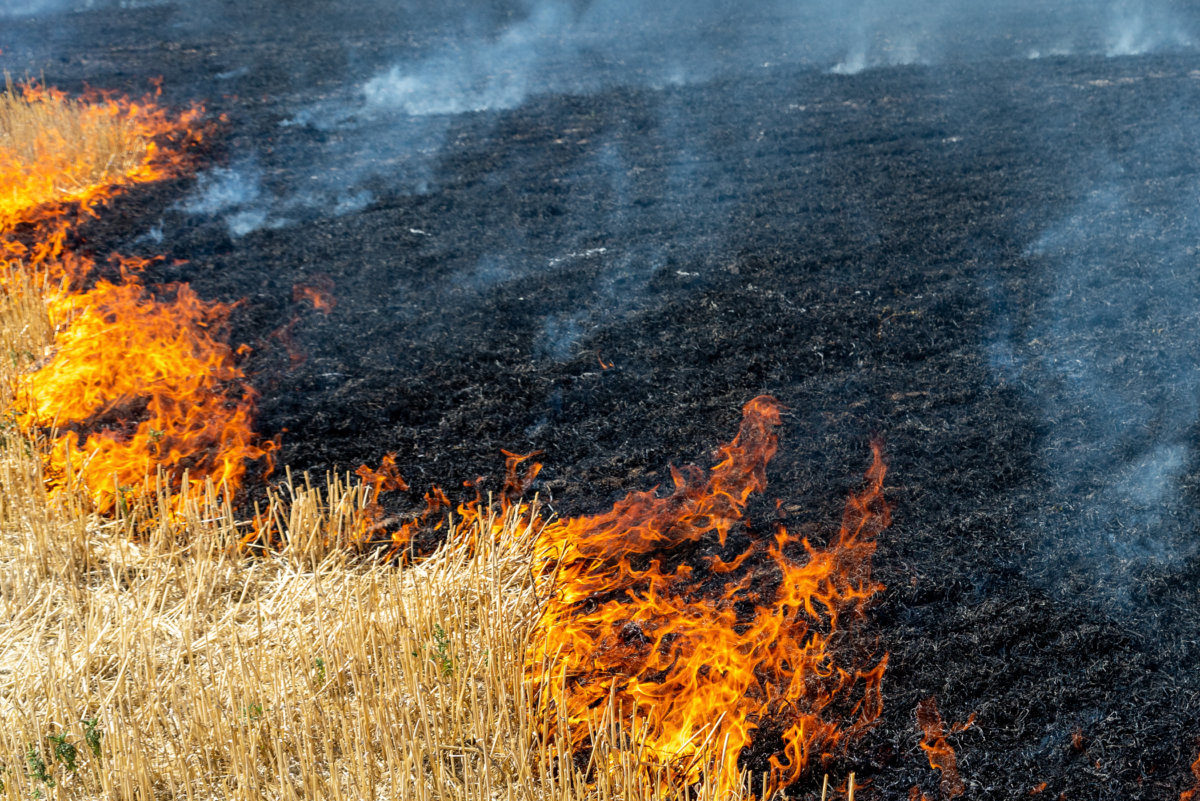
(137,380)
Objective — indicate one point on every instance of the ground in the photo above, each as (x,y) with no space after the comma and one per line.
(984,262)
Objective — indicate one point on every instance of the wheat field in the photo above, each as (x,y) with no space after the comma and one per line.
(166,665)
(145,654)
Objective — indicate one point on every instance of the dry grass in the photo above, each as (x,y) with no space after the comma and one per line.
(166,665)
(147,657)
(54,148)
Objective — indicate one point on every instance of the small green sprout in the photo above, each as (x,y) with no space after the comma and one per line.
(92,735)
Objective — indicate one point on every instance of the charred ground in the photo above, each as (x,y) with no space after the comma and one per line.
(863,247)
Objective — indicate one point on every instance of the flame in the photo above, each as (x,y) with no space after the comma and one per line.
(137,379)
(319,293)
(933,743)
(708,656)
(1189,795)
(58,151)
(375,529)
(702,654)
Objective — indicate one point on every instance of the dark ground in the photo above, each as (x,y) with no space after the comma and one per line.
(989,263)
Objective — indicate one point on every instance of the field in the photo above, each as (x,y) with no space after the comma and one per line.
(343,267)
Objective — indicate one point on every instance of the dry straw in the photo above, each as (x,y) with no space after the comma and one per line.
(147,657)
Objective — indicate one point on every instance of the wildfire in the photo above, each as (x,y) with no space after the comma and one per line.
(707,656)
(137,378)
(56,150)
(941,754)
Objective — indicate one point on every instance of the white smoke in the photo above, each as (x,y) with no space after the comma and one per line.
(886,35)
(1139,27)
(234,194)
(1105,359)
(475,76)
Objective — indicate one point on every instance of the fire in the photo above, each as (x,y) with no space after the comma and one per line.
(933,743)
(56,150)
(1189,795)
(375,530)
(710,656)
(138,381)
(137,378)
(318,292)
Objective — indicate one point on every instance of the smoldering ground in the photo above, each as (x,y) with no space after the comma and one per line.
(597,229)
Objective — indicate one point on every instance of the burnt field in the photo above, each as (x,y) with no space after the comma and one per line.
(989,261)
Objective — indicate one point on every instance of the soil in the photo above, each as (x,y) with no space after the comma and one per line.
(986,262)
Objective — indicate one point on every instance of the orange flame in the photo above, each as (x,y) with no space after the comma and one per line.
(137,379)
(1189,795)
(375,529)
(933,743)
(52,168)
(137,382)
(708,656)
(319,293)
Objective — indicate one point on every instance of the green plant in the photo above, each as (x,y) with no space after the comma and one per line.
(124,499)
(442,656)
(37,766)
(319,668)
(92,735)
(252,712)
(64,751)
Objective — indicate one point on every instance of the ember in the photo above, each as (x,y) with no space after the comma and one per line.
(318,292)
(1190,795)
(941,754)
(637,630)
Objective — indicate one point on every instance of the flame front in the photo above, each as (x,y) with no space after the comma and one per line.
(705,657)
(58,152)
(137,378)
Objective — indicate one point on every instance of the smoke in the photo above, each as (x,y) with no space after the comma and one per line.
(1139,27)
(232,193)
(384,125)
(1104,357)
(881,37)
(475,75)
(27,8)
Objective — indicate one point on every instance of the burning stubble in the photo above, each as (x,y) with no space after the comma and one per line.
(1148,482)
(714,658)
(136,378)
(711,668)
